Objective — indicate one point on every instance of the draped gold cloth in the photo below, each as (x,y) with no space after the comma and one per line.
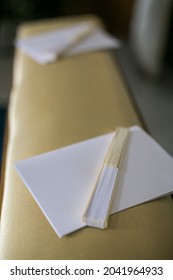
(55,105)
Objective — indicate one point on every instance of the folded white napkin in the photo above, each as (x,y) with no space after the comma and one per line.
(78,38)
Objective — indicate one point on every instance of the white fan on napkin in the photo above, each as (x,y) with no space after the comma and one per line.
(78,38)
(62,181)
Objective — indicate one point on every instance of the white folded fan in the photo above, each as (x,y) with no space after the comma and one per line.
(98,208)
(62,181)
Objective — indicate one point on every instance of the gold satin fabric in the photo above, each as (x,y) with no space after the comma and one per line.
(56,105)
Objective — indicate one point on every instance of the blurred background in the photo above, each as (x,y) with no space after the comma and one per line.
(146,56)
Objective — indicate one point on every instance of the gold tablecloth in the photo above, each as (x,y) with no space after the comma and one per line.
(56,105)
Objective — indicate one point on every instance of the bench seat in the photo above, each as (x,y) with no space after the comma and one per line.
(55,105)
